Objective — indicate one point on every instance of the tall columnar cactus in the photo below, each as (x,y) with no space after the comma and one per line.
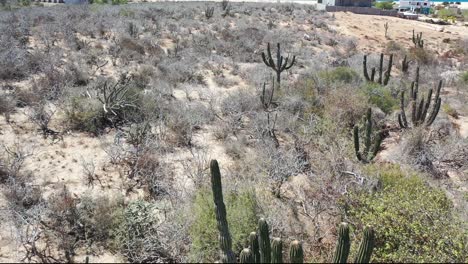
(420,111)
(276,250)
(369,151)
(405,64)
(264,241)
(246,256)
(366,247)
(281,63)
(225,242)
(343,245)
(253,245)
(384,77)
(296,253)
(417,40)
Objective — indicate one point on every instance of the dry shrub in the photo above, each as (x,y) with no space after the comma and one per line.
(344,106)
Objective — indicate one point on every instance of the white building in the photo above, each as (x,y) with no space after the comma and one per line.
(419,6)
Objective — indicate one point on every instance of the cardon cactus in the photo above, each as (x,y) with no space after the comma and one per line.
(366,247)
(225,242)
(420,111)
(264,241)
(276,250)
(343,245)
(417,40)
(384,77)
(246,256)
(261,251)
(296,254)
(370,150)
(253,244)
(281,63)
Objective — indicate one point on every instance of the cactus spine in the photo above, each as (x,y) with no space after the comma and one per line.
(417,40)
(419,111)
(264,241)
(253,244)
(246,256)
(225,242)
(367,155)
(366,247)
(384,77)
(276,250)
(281,62)
(296,253)
(343,244)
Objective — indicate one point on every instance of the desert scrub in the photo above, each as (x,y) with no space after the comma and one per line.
(414,221)
(449,110)
(464,77)
(339,74)
(136,233)
(84,114)
(241,210)
(380,96)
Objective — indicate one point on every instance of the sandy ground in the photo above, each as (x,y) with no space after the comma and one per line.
(370,31)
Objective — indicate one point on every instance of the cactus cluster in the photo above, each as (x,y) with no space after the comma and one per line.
(417,40)
(281,63)
(370,150)
(262,249)
(405,64)
(384,77)
(420,111)
(344,244)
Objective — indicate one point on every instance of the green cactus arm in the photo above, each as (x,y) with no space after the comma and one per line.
(264,241)
(378,141)
(364,66)
(296,253)
(356,142)
(435,111)
(426,106)
(276,250)
(381,68)
(389,70)
(253,244)
(367,143)
(419,112)
(343,244)
(402,116)
(366,247)
(372,74)
(246,256)
(225,242)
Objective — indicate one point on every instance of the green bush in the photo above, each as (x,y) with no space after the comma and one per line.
(464,77)
(339,74)
(136,233)
(446,14)
(414,222)
(384,5)
(241,216)
(119,2)
(381,97)
(85,114)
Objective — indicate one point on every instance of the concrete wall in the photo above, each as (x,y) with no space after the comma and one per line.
(361,10)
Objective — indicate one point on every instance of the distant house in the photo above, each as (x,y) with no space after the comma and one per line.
(415,6)
(358,3)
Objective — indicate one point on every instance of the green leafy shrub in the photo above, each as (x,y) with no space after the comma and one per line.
(464,77)
(381,97)
(413,221)
(85,114)
(384,5)
(136,233)
(241,216)
(339,74)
